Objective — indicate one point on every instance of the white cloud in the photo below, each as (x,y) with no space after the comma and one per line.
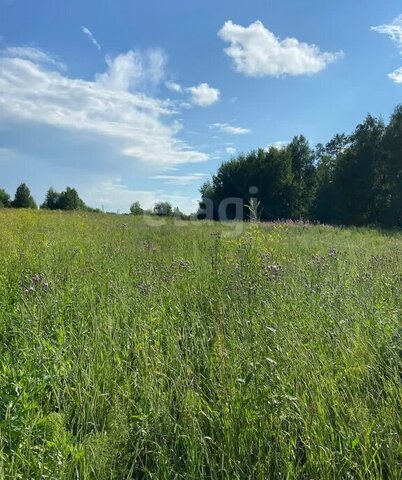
(230,129)
(180,179)
(133,70)
(231,150)
(280,144)
(204,95)
(35,55)
(92,39)
(394,31)
(133,125)
(396,76)
(257,52)
(173,86)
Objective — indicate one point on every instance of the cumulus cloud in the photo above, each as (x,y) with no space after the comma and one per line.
(203,95)
(231,150)
(90,36)
(257,52)
(230,129)
(180,179)
(394,32)
(134,70)
(134,125)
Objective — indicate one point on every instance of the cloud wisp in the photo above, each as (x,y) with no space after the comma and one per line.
(180,179)
(133,70)
(394,31)
(87,32)
(257,52)
(173,86)
(35,55)
(230,129)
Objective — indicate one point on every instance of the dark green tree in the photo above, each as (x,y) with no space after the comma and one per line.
(52,200)
(4,199)
(70,200)
(304,175)
(392,178)
(23,198)
(358,175)
(325,202)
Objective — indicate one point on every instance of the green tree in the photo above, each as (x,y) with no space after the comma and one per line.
(52,200)
(135,209)
(23,198)
(325,202)
(4,199)
(163,209)
(359,175)
(392,192)
(70,200)
(304,175)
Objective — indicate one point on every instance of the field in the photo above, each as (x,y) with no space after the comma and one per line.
(181,352)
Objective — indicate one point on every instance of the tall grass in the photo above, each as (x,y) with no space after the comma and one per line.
(131,352)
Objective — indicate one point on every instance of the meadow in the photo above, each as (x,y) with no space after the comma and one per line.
(181,352)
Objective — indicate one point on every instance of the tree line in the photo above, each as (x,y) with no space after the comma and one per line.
(66,200)
(353,180)
(70,200)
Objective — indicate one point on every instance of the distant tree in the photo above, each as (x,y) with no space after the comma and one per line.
(177,213)
(136,209)
(4,199)
(163,209)
(23,198)
(358,175)
(70,200)
(304,175)
(52,200)
(392,193)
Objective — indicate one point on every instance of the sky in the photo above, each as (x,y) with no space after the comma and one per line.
(130,100)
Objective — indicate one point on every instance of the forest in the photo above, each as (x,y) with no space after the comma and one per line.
(352,180)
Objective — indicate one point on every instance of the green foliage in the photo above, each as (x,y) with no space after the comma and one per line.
(353,180)
(67,200)
(52,200)
(179,352)
(23,198)
(163,209)
(5,201)
(135,209)
(70,200)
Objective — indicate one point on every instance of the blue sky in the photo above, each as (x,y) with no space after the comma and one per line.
(130,100)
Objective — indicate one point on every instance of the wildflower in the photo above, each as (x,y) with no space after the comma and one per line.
(184,265)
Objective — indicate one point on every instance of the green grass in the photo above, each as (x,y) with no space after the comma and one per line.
(181,353)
